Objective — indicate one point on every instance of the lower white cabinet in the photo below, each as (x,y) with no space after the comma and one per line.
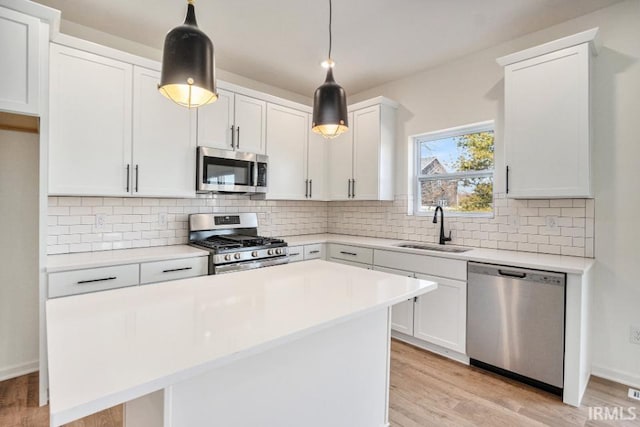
(351,263)
(402,313)
(440,316)
(315,251)
(162,271)
(296,253)
(92,279)
(351,253)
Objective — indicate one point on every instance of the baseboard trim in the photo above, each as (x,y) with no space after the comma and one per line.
(433,348)
(622,377)
(8,372)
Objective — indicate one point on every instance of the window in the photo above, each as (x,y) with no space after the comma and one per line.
(455,170)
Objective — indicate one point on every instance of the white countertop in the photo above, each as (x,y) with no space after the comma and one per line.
(560,263)
(77,261)
(106,348)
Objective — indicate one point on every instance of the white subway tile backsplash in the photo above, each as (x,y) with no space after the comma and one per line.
(134,222)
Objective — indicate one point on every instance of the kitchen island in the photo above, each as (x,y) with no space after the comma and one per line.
(297,344)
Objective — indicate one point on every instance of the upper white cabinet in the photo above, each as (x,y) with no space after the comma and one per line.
(251,124)
(297,156)
(547,119)
(233,122)
(90,124)
(216,127)
(287,136)
(112,133)
(164,145)
(19,61)
(361,160)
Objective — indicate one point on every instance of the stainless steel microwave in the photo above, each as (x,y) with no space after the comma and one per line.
(225,171)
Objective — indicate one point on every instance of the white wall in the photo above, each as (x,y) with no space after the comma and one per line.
(471,89)
(18,253)
(90,34)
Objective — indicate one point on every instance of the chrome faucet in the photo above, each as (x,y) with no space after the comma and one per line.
(443,239)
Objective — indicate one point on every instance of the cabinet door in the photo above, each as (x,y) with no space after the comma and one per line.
(251,124)
(366,153)
(215,122)
(401,313)
(90,124)
(287,135)
(340,164)
(19,62)
(441,315)
(317,165)
(164,148)
(547,125)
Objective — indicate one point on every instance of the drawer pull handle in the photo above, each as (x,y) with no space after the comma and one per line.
(315,252)
(82,282)
(512,274)
(295,254)
(348,253)
(177,269)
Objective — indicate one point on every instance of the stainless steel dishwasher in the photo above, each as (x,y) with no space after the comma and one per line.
(515,323)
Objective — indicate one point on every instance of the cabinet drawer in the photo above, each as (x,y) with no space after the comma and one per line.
(434,266)
(296,253)
(92,280)
(351,263)
(351,253)
(162,271)
(315,251)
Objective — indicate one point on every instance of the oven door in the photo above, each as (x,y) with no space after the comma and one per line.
(223,171)
(248,265)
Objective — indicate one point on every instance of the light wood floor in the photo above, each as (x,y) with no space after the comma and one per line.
(426,390)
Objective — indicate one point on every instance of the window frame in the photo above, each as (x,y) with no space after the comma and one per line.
(485,126)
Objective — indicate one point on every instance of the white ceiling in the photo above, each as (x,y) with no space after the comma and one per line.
(282,42)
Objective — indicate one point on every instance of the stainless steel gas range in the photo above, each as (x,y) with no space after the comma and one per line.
(234,243)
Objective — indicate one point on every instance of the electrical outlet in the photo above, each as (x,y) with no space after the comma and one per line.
(101,220)
(162,218)
(634,335)
(551,221)
(634,394)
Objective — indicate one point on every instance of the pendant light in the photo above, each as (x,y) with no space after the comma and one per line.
(330,116)
(188,64)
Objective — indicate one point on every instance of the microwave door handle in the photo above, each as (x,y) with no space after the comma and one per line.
(255,174)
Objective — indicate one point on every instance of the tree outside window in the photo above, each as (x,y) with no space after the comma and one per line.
(455,170)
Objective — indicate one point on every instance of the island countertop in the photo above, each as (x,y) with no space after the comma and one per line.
(110,347)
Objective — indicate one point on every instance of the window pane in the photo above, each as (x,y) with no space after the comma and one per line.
(470,152)
(465,195)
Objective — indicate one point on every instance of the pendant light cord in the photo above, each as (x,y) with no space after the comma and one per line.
(330,32)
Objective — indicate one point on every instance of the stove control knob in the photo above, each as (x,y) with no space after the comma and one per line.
(254,254)
(279,251)
(227,257)
(270,252)
(237,256)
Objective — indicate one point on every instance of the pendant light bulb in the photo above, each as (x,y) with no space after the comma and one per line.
(188,64)
(330,115)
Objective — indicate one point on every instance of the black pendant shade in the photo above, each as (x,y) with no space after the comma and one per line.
(188,71)
(330,116)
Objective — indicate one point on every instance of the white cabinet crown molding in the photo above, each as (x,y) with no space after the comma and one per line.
(44,13)
(378,100)
(588,36)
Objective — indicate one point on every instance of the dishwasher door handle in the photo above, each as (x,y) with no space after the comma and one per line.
(512,274)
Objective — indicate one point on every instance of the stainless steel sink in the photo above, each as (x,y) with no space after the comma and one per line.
(437,248)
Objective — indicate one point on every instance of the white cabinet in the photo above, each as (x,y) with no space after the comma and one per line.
(351,253)
(340,165)
(112,133)
(216,127)
(251,124)
(287,136)
(163,271)
(19,61)
(233,122)
(315,251)
(296,156)
(402,313)
(92,280)
(361,160)
(90,124)
(164,146)
(296,253)
(441,315)
(547,123)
